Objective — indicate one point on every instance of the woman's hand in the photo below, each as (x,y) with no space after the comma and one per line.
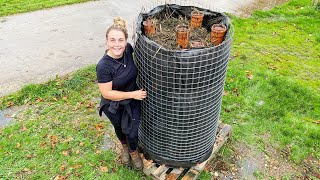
(139,94)
(114,95)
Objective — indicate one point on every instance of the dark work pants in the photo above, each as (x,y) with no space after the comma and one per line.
(132,137)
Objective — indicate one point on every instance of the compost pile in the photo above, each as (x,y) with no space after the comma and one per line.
(179,119)
(166,33)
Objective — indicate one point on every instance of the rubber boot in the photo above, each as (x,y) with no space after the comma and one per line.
(125,158)
(136,160)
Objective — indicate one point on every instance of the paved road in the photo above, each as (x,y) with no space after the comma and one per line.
(37,46)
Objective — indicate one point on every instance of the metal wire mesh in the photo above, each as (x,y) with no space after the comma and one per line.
(179,118)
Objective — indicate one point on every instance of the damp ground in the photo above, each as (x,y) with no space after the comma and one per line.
(248,162)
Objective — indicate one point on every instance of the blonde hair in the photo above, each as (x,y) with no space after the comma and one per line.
(119,24)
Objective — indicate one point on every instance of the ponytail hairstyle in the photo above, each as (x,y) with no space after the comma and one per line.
(119,24)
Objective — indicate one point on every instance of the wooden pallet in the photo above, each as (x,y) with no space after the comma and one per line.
(162,172)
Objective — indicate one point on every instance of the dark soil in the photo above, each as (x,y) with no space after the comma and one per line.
(247,162)
(166,34)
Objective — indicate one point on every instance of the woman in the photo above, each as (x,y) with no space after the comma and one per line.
(116,74)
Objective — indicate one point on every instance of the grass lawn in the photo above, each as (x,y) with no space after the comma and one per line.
(281,50)
(273,84)
(9,7)
(272,100)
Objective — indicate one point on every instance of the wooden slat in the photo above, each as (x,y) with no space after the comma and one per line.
(160,173)
(174,174)
(148,170)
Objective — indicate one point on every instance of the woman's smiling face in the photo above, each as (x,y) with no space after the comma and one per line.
(116,43)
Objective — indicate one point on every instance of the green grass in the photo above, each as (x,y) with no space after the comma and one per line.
(280,48)
(9,7)
(58,128)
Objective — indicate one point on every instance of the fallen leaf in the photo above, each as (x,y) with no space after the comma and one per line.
(65,98)
(54,138)
(235,90)
(10,136)
(317,122)
(39,99)
(90,104)
(52,146)
(100,134)
(55,99)
(81,143)
(18,145)
(43,144)
(225,93)
(25,169)
(65,153)
(77,151)
(59,177)
(249,76)
(227,110)
(24,128)
(99,127)
(29,156)
(98,152)
(103,169)
(271,66)
(237,54)
(317,175)
(75,108)
(62,167)
(69,139)
(8,104)
(92,165)
(76,166)
(54,141)
(208,167)
(230,80)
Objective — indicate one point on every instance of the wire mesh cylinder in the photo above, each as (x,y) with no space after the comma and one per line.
(179,117)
